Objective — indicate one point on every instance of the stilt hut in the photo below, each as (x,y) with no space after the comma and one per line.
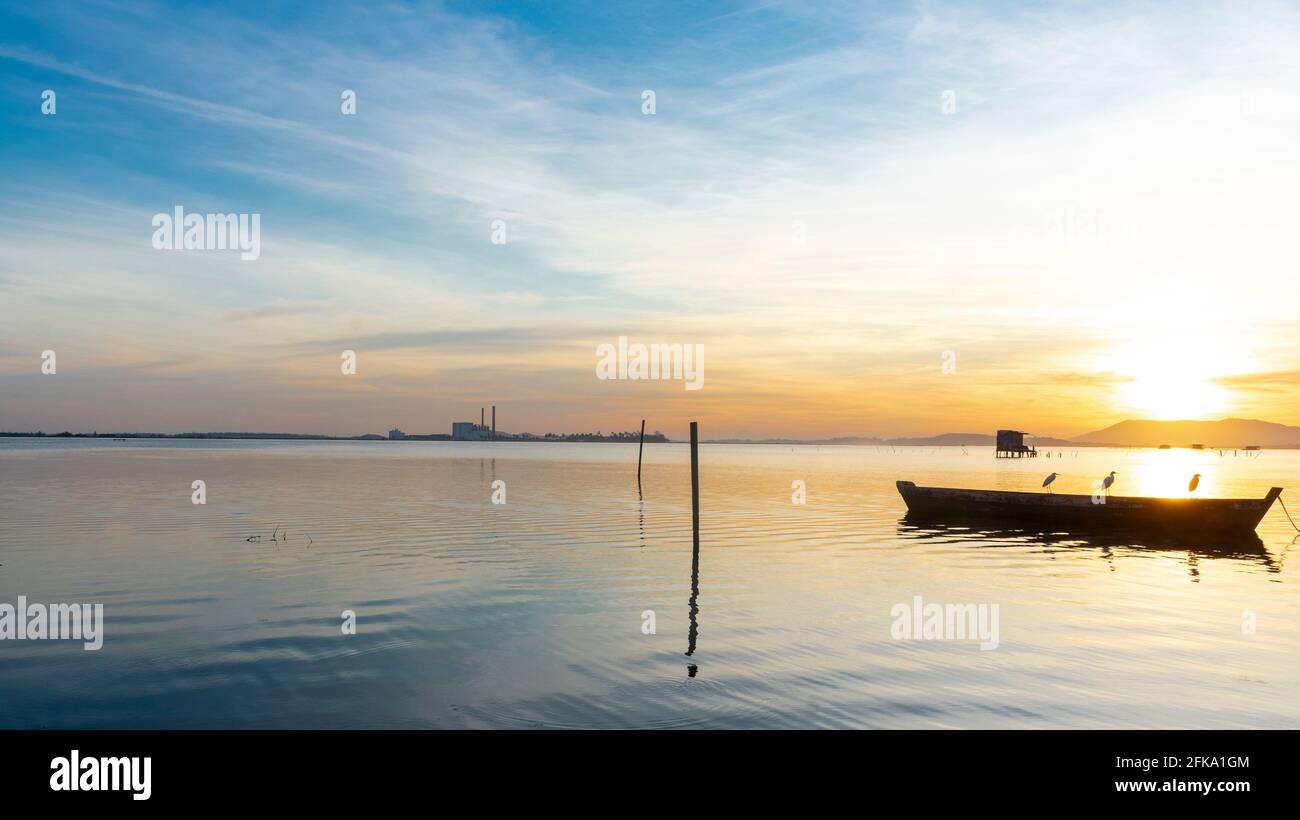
(1011,444)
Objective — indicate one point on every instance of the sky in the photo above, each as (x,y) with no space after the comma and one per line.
(876,218)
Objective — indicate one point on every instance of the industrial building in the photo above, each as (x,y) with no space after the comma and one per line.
(469,431)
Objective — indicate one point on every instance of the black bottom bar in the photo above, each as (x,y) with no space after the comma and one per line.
(328,769)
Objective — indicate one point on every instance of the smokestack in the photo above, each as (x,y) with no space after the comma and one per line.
(494,421)
(480,417)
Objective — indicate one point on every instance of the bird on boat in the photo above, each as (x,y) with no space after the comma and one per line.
(1047,481)
(1194,483)
(1108,480)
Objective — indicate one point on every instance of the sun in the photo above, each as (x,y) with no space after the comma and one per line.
(1161,393)
(1169,362)
(1162,378)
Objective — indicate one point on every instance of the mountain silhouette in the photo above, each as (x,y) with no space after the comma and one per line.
(1222,433)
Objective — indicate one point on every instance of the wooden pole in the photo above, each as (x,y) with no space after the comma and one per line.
(695,481)
(639,449)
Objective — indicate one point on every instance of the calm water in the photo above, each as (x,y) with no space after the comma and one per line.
(529,614)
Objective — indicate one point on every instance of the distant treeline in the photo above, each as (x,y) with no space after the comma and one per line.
(630,435)
(624,437)
(66,434)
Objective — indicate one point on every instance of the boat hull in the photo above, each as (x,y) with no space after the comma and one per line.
(1064,513)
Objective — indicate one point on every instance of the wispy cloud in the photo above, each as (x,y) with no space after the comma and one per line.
(799,201)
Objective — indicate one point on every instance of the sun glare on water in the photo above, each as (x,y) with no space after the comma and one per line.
(1166,473)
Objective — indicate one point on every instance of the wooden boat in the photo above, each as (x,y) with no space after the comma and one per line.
(1058,512)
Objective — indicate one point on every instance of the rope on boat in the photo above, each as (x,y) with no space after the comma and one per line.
(1288,513)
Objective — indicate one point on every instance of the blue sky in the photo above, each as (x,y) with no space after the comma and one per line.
(1126,148)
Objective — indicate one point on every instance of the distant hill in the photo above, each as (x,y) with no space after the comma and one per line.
(1222,433)
(972,440)
(818,441)
(1048,441)
(944,440)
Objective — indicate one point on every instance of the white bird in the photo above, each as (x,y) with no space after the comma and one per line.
(1047,481)
(1108,480)
(1194,483)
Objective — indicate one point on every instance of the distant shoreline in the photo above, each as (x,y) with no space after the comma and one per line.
(658,438)
(1224,434)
